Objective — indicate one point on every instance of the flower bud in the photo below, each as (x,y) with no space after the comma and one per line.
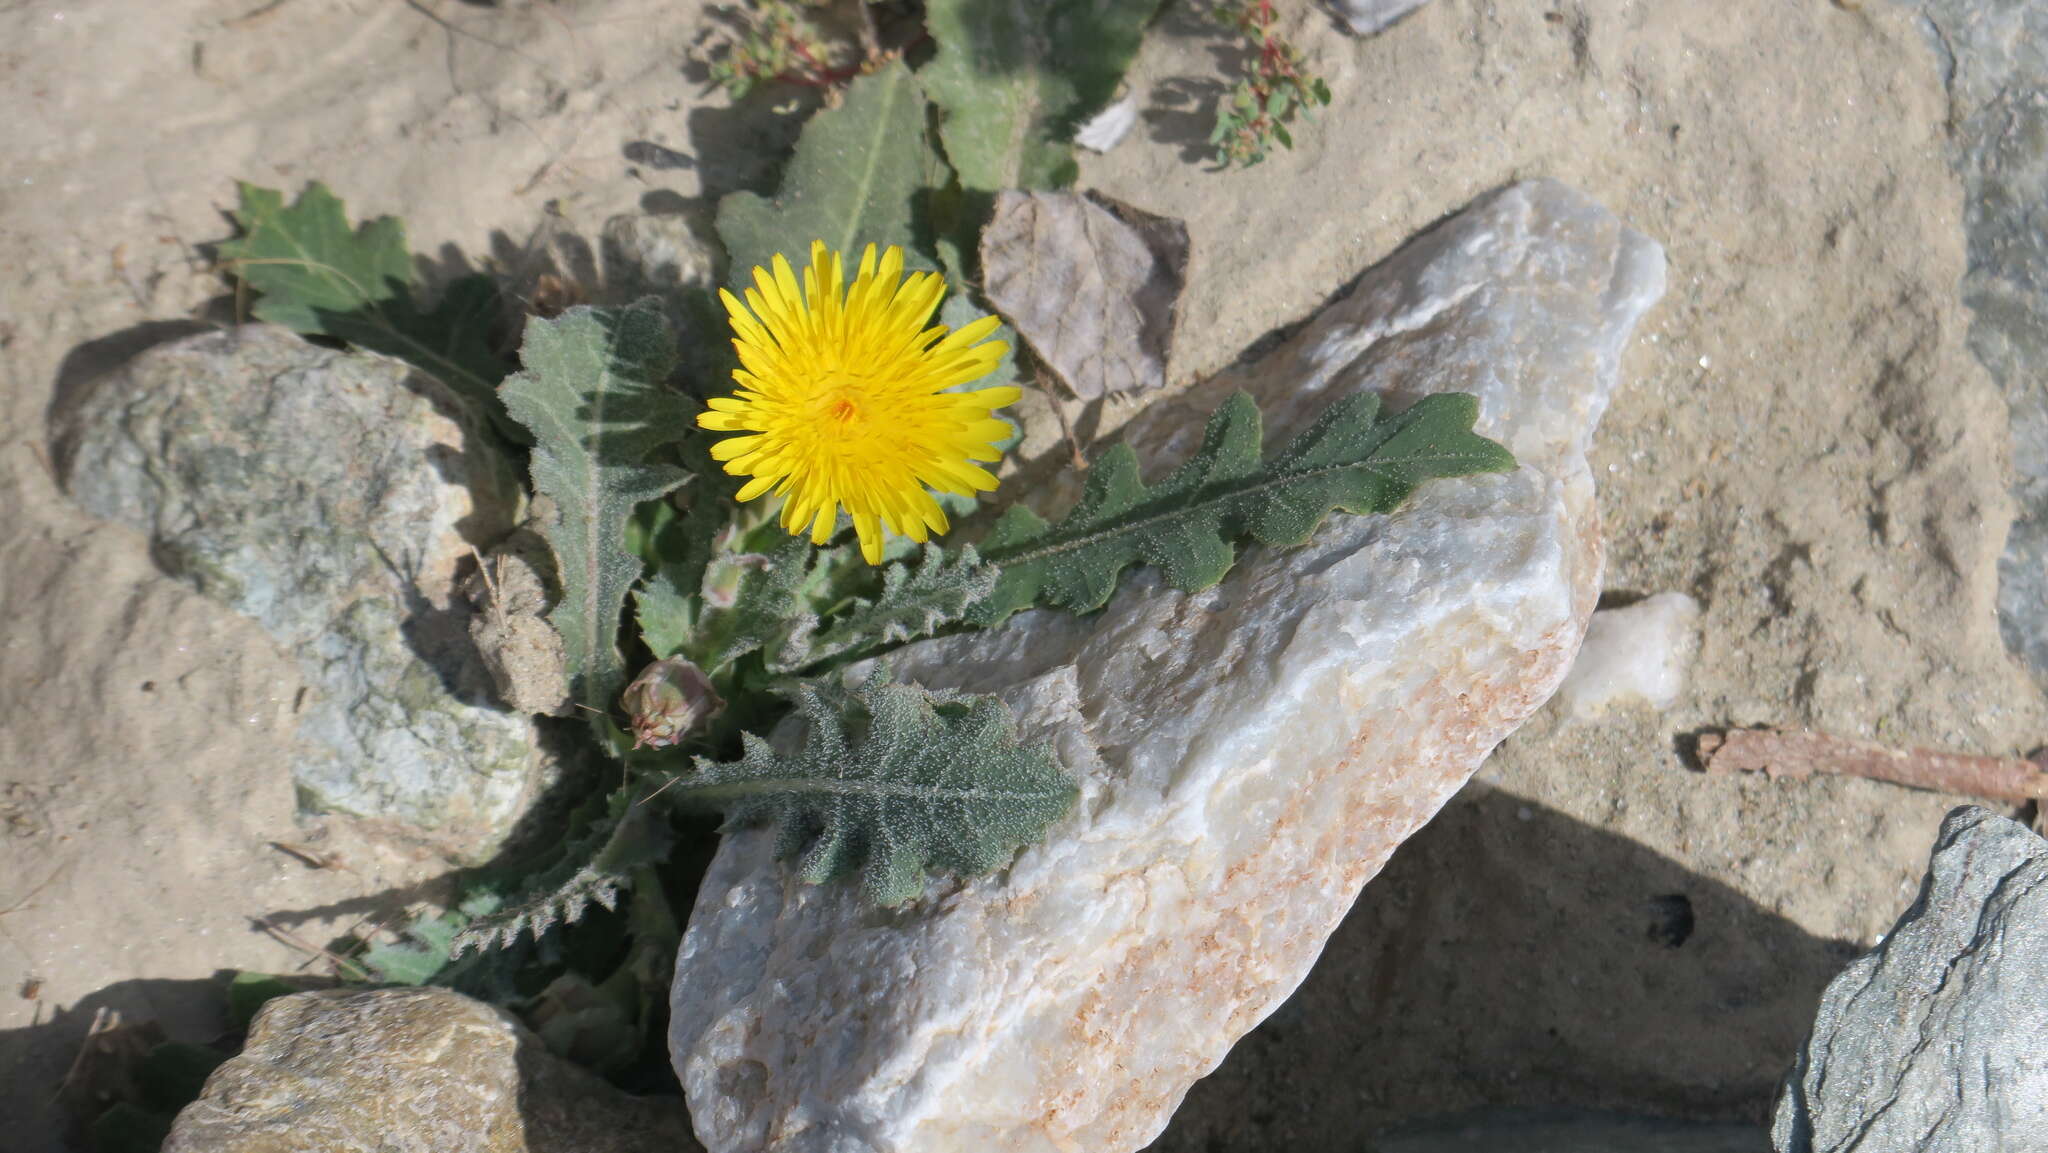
(668,700)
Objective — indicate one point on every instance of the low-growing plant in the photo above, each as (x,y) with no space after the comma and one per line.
(738,556)
(1052,65)
(1274,85)
(775,41)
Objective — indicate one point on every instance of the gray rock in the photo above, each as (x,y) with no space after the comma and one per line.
(1937,1042)
(1566,1131)
(1369,16)
(331,496)
(1994,57)
(412,1071)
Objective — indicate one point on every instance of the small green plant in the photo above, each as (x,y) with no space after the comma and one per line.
(729,545)
(1276,83)
(776,42)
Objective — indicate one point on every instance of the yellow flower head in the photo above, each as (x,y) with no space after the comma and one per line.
(842,398)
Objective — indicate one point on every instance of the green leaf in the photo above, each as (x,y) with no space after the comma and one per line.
(913,603)
(613,839)
(669,604)
(860,175)
(1349,460)
(424,950)
(771,600)
(893,782)
(1013,81)
(316,276)
(666,607)
(592,394)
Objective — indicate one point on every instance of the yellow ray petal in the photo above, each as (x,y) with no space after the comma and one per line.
(842,397)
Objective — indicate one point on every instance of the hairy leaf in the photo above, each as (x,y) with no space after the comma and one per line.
(315,275)
(1347,460)
(913,603)
(426,946)
(1091,283)
(666,608)
(770,596)
(670,603)
(893,782)
(598,859)
(592,393)
(1013,80)
(858,177)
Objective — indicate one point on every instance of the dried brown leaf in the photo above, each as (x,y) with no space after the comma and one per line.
(522,651)
(1089,283)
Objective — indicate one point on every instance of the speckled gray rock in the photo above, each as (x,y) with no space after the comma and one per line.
(1366,17)
(1248,756)
(1937,1042)
(331,496)
(412,1071)
(1994,57)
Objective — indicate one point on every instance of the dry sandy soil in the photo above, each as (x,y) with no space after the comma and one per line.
(1803,442)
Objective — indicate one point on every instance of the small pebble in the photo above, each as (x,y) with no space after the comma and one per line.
(1636,653)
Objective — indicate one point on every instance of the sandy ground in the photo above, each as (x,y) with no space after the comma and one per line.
(1804,444)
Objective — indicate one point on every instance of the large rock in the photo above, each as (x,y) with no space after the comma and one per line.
(1937,1042)
(331,496)
(412,1071)
(1249,756)
(1994,58)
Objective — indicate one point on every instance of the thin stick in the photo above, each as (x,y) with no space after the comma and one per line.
(310,858)
(104,1020)
(1059,410)
(1801,754)
(362,942)
(43,458)
(292,940)
(23,904)
(484,570)
(253,15)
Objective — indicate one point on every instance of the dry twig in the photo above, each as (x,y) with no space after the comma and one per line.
(23,903)
(289,939)
(1801,754)
(311,858)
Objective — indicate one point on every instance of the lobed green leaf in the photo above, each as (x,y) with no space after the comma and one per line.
(892,782)
(1349,460)
(612,840)
(315,275)
(912,603)
(593,395)
(861,174)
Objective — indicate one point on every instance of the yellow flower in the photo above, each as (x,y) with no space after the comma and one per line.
(842,398)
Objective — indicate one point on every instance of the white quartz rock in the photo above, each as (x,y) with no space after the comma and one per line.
(1248,756)
(1635,653)
(1369,16)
